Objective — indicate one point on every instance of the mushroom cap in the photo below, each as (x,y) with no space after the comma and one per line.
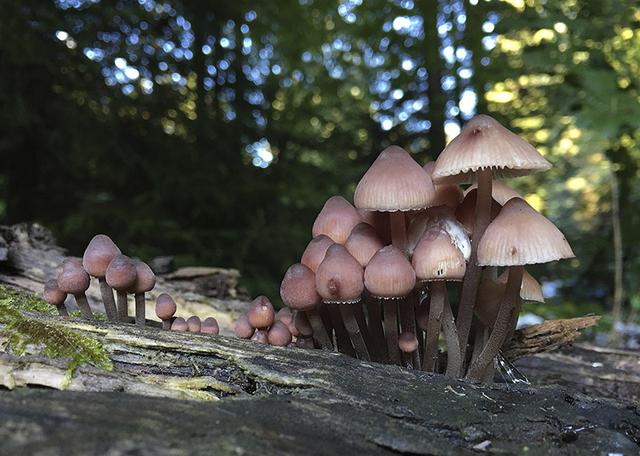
(210,326)
(466,211)
(243,328)
(194,324)
(336,219)
(531,290)
(261,314)
(389,274)
(301,323)
(339,277)
(408,342)
(165,307)
(298,288)
(285,315)
(179,324)
(449,195)
(485,144)
(52,294)
(440,217)
(261,336)
(279,335)
(519,235)
(395,182)
(363,243)
(121,273)
(437,258)
(315,251)
(500,192)
(73,278)
(98,255)
(145,278)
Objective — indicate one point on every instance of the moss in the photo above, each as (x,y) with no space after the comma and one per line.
(22,331)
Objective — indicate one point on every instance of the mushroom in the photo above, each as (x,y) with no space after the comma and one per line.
(145,281)
(165,309)
(243,328)
(96,259)
(279,335)
(518,236)
(285,316)
(73,279)
(194,324)
(315,251)
(56,297)
(336,219)
(449,195)
(408,343)
(121,276)
(179,324)
(390,277)
(261,336)
(210,326)
(483,150)
(261,314)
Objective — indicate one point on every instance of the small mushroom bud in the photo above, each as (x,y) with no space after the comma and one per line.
(261,336)
(97,256)
(261,314)
(121,275)
(194,324)
(179,325)
(165,309)
(74,279)
(285,316)
(145,281)
(54,296)
(210,326)
(243,328)
(279,335)
(408,342)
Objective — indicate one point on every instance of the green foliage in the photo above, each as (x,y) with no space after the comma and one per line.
(22,331)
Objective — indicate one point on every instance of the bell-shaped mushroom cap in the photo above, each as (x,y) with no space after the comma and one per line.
(389,274)
(145,278)
(449,195)
(363,243)
(285,315)
(408,342)
(339,277)
(336,219)
(279,335)
(437,258)
(243,328)
(466,211)
(261,336)
(73,278)
(298,288)
(301,322)
(210,326)
(531,290)
(519,235)
(485,144)
(121,273)
(98,255)
(52,294)
(165,306)
(194,324)
(315,251)
(440,217)
(395,182)
(500,192)
(261,314)
(179,324)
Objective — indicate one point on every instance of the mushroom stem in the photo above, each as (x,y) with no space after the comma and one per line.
(83,305)
(320,334)
(398,230)
(480,337)
(354,330)
(500,329)
(123,310)
(454,355)
(514,322)
(408,325)
(342,336)
(472,276)
(166,324)
(375,329)
(62,310)
(362,323)
(107,299)
(140,309)
(437,293)
(391,329)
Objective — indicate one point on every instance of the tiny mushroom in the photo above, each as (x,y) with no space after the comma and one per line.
(261,314)
(73,279)
(336,219)
(210,326)
(279,335)
(121,275)
(243,328)
(165,309)
(179,324)
(194,324)
(56,297)
(97,256)
(145,281)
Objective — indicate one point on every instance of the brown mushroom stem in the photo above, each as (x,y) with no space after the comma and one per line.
(408,325)
(62,310)
(437,294)
(123,310)
(480,336)
(472,276)
(362,323)
(514,322)
(391,329)
(140,309)
(166,324)
(454,355)
(500,329)
(398,230)
(354,330)
(83,305)
(343,342)
(320,334)
(376,331)
(107,299)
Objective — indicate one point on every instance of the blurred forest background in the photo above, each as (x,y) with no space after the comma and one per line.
(215,130)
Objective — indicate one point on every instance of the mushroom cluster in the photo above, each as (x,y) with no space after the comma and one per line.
(374,282)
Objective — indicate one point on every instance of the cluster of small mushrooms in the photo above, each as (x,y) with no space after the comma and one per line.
(103,260)
(374,282)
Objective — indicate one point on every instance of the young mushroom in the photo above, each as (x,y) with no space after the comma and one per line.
(121,275)
(408,343)
(165,309)
(179,324)
(336,219)
(261,314)
(145,281)
(97,256)
(243,328)
(279,334)
(261,336)
(56,297)
(194,324)
(210,326)
(73,279)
